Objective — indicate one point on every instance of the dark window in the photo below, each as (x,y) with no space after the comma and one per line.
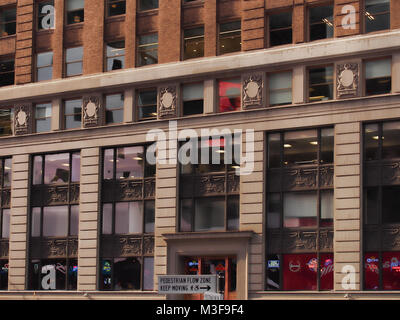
(75,11)
(147,4)
(114,108)
(45,15)
(280,88)
(229,94)
(377,15)
(280,28)
(320,86)
(300,202)
(378,77)
(193,98)
(8,22)
(73,61)
(44,66)
(127,217)
(230,37)
(147,50)
(193,42)
(72,114)
(116,7)
(7,72)
(43,117)
(6,117)
(147,104)
(5,190)
(321,22)
(115,58)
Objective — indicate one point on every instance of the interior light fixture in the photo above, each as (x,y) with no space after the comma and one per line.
(287,145)
(314,143)
(369,16)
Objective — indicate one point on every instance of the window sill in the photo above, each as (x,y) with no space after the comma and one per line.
(8,37)
(73,26)
(120,17)
(150,12)
(193,4)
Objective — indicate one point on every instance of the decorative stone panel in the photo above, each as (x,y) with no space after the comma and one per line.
(92,111)
(167,101)
(347,78)
(252,90)
(23,119)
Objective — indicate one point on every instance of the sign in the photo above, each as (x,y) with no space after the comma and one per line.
(183,284)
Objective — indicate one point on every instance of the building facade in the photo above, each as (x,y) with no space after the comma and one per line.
(84,214)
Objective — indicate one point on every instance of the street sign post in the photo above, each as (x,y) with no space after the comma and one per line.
(185,284)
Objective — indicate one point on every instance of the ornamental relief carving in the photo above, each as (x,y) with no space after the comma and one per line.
(129,246)
(149,188)
(22,119)
(300,178)
(326,176)
(391,173)
(233,183)
(6,198)
(300,240)
(131,190)
(252,90)
(211,184)
(91,110)
(347,75)
(4,249)
(391,238)
(54,247)
(148,246)
(167,102)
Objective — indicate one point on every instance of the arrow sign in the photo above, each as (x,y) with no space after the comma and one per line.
(184,284)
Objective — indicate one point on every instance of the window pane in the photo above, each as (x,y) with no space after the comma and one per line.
(280,86)
(115,55)
(148,4)
(114,116)
(300,209)
(74,69)
(300,147)
(55,221)
(5,230)
(6,116)
(44,59)
(43,125)
(233,213)
(321,22)
(186,215)
(321,84)
(371,271)
(43,117)
(274,210)
(107,219)
(7,172)
(35,227)
(76,167)
(371,142)
(148,273)
(230,37)
(193,91)
(56,168)
(274,150)
(326,271)
(193,107)
(209,214)
(326,208)
(127,274)
(371,196)
(44,74)
(229,95)
(108,163)
(116,8)
(378,76)
(391,140)
(149,216)
(327,145)
(193,43)
(377,15)
(115,101)
(37,170)
(300,272)
(273,272)
(73,112)
(75,4)
(74,221)
(130,162)
(74,54)
(391,204)
(391,270)
(280,26)
(128,217)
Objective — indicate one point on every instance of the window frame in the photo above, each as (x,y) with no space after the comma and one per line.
(146,10)
(218,100)
(184,39)
(37,68)
(66,63)
(183,101)
(309,24)
(110,3)
(66,13)
(364,62)
(140,49)
(114,109)
(228,32)
(308,69)
(364,16)
(108,58)
(43,118)
(268,28)
(137,112)
(268,81)
(7,59)
(3,23)
(65,115)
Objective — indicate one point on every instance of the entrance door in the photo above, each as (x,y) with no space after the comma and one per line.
(223,267)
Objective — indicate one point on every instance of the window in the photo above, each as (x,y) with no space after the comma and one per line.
(320,22)
(72,114)
(380,209)
(75,11)
(115,59)
(54,222)
(147,104)
(300,206)
(378,77)
(6,118)
(209,186)
(147,4)
(114,108)
(320,83)
(147,50)
(7,72)
(280,28)
(280,88)
(193,98)
(43,117)
(230,39)
(128,215)
(193,42)
(73,61)
(116,7)
(44,66)
(44,19)
(5,189)
(229,94)
(8,22)
(377,15)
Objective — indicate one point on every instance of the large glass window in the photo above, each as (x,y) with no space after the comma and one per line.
(320,84)
(230,37)
(147,50)
(300,210)
(114,108)
(193,42)
(378,76)
(147,104)
(5,190)
(320,22)
(116,7)
(8,22)
(43,117)
(73,61)
(115,56)
(72,113)
(377,15)
(7,72)
(6,121)
(280,28)
(280,88)
(75,11)
(193,98)
(229,94)
(44,66)
(147,4)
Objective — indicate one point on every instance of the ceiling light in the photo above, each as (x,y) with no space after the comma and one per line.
(377,138)
(137,158)
(220,151)
(314,143)
(369,16)
(287,145)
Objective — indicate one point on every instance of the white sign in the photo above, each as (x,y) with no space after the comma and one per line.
(182,284)
(213,296)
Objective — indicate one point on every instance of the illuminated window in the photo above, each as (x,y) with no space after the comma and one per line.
(320,84)
(320,22)
(73,61)
(147,104)
(377,15)
(7,72)
(378,77)
(75,11)
(44,66)
(116,7)
(280,28)
(193,43)
(115,55)
(230,37)
(147,50)
(43,117)
(8,22)
(229,95)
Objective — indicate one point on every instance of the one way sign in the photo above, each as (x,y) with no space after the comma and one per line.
(182,284)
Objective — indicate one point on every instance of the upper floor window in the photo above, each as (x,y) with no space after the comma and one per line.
(378,76)
(75,11)
(320,83)
(73,61)
(8,22)
(230,37)
(377,15)
(6,121)
(45,15)
(280,28)
(280,88)
(193,98)
(114,108)
(147,50)
(43,117)
(147,4)
(115,56)
(44,66)
(147,104)
(116,7)
(7,72)
(229,94)
(193,42)
(320,22)
(72,113)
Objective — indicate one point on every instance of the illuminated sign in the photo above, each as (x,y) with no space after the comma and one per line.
(273,264)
